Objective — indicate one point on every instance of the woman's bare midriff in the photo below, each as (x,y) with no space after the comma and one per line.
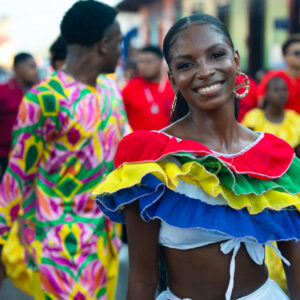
(203,273)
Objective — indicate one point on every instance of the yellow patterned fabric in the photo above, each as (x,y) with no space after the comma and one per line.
(288,129)
(192,172)
(13,257)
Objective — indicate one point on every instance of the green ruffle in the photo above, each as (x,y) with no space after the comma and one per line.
(245,184)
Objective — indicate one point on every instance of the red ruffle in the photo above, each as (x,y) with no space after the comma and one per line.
(269,158)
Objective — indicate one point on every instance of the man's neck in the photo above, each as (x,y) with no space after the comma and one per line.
(22,85)
(154,79)
(81,65)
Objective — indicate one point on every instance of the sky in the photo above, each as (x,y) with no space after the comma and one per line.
(34,24)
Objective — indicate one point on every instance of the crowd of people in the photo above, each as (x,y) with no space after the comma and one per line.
(199,161)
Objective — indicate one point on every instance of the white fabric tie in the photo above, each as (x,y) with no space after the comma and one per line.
(255,250)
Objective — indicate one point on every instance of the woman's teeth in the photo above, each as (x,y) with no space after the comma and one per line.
(209,89)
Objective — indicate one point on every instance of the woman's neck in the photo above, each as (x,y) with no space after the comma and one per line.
(217,129)
(274,114)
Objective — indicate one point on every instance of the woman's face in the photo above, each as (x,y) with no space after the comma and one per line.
(277,93)
(203,67)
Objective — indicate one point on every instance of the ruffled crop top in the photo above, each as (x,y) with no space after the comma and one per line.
(192,190)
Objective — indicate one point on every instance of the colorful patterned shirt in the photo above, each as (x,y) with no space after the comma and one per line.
(64,143)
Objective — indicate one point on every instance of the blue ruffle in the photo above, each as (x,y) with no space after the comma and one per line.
(157,201)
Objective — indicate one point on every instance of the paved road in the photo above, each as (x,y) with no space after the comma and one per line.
(123,273)
(9,292)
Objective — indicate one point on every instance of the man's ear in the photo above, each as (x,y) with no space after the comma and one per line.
(172,81)
(102,45)
(237,61)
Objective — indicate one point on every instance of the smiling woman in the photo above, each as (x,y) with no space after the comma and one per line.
(208,191)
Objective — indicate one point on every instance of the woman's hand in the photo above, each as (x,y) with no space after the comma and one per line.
(143,255)
(291,251)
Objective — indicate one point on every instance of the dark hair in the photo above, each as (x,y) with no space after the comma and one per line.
(21,57)
(291,40)
(58,50)
(182,108)
(86,21)
(153,49)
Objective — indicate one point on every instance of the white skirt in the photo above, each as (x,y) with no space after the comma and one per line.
(268,291)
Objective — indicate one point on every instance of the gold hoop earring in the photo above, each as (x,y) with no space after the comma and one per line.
(174,104)
(245,84)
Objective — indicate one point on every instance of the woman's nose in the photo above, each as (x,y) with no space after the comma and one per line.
(204,70)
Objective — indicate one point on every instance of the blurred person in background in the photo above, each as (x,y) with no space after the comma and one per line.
(58,53)
(130,70)
(148,98)
(273,118)
(291,75)
(64,143)
(11,94)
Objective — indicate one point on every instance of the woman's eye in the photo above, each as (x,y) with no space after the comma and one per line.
(217,55)
(183,66)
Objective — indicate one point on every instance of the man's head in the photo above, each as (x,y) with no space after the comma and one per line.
(26,71)
(92,24)
(149,63)
(291,52)
(58,53)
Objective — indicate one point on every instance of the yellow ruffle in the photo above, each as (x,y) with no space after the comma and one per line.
(13,257)
(131,174)
(288,129)
(275,268)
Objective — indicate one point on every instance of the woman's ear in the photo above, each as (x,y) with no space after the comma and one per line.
(172,81)
(237,61)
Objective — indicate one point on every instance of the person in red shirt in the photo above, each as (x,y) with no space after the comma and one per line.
(148,98)
(291,75)
(11,94)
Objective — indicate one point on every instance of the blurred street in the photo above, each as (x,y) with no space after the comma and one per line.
(9,292)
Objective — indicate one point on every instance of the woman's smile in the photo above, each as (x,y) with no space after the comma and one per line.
(210,89)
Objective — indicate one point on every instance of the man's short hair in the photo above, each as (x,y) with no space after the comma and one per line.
(58,50)
(86,21)
(291,40)
(21,57)
(153,49)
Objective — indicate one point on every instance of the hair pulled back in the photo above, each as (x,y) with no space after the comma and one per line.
(181,108)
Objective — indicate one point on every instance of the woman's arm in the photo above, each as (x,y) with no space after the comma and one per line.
(291,251)
(143,255)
